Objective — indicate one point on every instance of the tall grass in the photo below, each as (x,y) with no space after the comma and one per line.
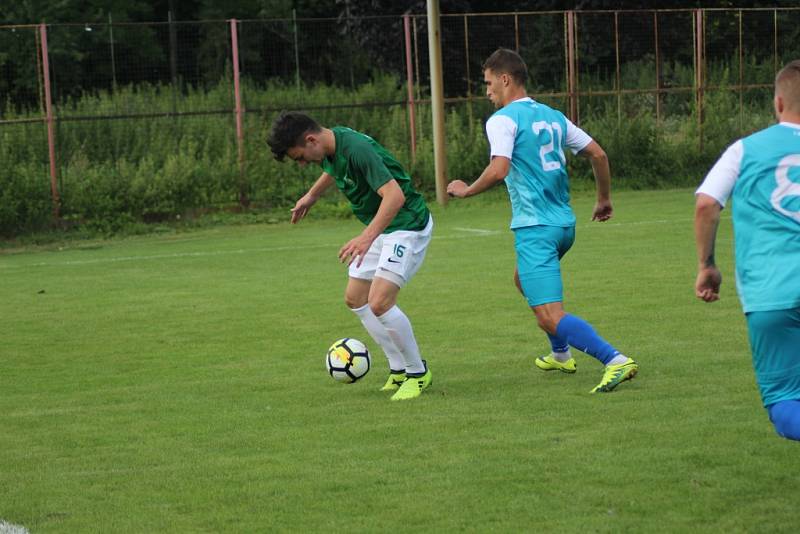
(113,172)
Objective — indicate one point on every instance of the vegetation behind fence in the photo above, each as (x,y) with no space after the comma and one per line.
(165,146)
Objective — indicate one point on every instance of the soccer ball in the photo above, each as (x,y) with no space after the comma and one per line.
(348,360)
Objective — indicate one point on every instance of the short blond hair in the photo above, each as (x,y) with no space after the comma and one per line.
(787,85)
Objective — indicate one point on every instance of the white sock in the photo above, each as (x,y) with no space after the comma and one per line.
(561,357)
(618,359)
(399,329)
(378,332)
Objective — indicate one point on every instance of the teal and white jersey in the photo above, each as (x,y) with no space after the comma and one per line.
(761,173)
(533,136)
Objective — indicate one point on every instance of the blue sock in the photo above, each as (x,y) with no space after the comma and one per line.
(558,344)
(582,336)
(785,415)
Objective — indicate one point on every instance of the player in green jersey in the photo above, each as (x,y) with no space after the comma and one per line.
(388,252)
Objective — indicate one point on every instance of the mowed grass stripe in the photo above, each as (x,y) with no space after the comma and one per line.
(190,394)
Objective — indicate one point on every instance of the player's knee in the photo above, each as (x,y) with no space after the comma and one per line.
(517,283)
(548,317)
(786,430)
(546,323)
(354,302)
(785,416)
(380,305)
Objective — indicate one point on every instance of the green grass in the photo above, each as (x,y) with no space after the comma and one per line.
(176,382)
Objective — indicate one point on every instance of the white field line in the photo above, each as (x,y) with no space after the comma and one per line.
(10,528)
(480,231)
(468,233)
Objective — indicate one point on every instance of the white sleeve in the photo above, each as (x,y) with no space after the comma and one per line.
(501,131)
(720,180)
(577,139)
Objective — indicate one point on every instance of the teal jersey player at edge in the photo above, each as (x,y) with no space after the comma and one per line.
(761,175)
(388,252)
(527,141)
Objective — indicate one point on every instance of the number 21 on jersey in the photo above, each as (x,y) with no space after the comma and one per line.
(551,153)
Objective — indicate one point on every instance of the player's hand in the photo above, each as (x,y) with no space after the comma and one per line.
(457,188)
(302,206)
(602,211)
(706,287)
(355,250)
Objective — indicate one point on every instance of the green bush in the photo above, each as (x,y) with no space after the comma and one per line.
(116,172)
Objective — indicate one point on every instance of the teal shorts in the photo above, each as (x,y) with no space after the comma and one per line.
(539,250)
(775,342)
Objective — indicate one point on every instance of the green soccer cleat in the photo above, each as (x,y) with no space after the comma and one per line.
(615,375)
(549,363)
(394,381)
(413,386)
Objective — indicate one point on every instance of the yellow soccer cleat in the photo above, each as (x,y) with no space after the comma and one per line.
(549,363)
(614,375)
(413,386)
(394,381)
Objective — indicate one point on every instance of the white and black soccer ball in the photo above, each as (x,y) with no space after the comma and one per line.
(348,360)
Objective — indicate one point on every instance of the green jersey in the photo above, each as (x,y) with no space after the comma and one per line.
(360,166)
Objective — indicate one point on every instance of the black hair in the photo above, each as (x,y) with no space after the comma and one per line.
(288,130)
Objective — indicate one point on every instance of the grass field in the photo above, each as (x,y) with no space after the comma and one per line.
(176,383)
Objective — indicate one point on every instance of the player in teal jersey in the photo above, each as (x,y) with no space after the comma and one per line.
(761,173)
(527,141)
(390,250)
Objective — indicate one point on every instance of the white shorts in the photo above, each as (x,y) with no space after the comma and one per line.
(396,256)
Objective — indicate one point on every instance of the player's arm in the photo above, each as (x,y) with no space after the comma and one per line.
(710,200)
(501,132)
(496,171)
(706,222)
(310,198)
(392,199)
(602,177)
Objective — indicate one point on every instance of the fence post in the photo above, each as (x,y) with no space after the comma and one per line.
(572,81)
(469,74)
(51,136)
(658,68)
(437,101)
(699,74)
(243,200)
(618,74)
(416,56)
(412,119)
(466,55)
(775,39)
(113,61)
(296,52)
(173,61)
(741,75)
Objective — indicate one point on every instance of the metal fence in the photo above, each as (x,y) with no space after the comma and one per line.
(662,62)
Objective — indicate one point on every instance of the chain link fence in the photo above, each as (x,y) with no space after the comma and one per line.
(176,112)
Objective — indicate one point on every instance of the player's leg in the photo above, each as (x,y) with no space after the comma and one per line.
(383,303)
(560,357)
(785,415)
(581,335)
(401,257)
(357,299)
(539,249)
(538,278)
(774,339)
